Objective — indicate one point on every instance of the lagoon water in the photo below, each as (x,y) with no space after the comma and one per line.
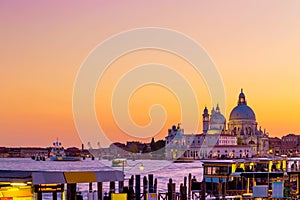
(161,169)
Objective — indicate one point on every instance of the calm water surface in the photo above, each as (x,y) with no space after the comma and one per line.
(161,169)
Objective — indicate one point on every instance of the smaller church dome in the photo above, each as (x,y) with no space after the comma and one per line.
(217,120)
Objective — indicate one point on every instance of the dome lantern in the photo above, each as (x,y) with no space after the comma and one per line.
(242,98)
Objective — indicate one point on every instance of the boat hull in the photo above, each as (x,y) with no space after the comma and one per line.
(64,158)
(184,160)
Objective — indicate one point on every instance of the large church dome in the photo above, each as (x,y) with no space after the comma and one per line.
(242,111)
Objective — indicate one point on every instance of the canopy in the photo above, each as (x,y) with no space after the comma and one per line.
(60,177)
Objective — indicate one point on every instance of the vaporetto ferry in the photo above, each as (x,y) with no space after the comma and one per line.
(58,153)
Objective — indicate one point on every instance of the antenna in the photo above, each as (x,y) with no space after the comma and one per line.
(89,145)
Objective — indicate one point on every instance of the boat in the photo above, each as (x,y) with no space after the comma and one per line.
(119,162)
(58,153)
(184,160)
(251,178)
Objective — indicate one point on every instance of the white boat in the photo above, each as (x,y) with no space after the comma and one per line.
(119,162)
(58,153)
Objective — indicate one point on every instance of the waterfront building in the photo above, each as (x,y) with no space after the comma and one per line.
(230,151)
(23,152)
(177,143)
(290,144)
(240,138)
(4,152)
(242,123)
(275,146)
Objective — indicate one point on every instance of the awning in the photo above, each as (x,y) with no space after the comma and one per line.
(60,177)
(80,177)
(14,176)
(97,176)
(105,176)
(48,178)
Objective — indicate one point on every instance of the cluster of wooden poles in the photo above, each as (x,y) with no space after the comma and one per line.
(149,186)
(192,190)
(189,189)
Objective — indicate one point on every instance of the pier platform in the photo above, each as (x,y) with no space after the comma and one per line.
(28,185)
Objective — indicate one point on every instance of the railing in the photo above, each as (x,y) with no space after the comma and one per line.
(164,196)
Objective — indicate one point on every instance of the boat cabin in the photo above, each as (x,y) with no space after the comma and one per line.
(218,179)
(245,177)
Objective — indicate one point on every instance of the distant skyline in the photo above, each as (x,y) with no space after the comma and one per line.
(254,44)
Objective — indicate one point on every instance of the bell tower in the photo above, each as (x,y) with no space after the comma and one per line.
(205,116)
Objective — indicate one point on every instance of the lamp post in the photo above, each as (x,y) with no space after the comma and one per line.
(131,166)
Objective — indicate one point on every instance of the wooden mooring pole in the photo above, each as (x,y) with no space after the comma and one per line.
(183,189)
(171,190)
(99,188)
(54,195)
(121,186)
(131,190)
(112,188)
(189,186)
(151,184)
(203,189)
(145,187)
(138,187)
(39,196)
(71,191)
(155,185)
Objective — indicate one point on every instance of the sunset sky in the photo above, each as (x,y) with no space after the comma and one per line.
(254,44)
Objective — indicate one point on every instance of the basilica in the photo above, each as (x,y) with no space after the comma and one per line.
(240,137)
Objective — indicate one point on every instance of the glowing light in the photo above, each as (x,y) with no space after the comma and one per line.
(18,184)
(142,167)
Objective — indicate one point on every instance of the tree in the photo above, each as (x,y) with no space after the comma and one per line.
(133,148)
(160,144)
(153,145)
(145,149)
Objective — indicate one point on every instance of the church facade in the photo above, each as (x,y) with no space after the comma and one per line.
(242,123)
(240,137)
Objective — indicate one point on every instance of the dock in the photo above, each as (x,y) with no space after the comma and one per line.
(28,185)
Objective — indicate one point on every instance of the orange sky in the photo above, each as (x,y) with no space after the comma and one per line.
(254,44)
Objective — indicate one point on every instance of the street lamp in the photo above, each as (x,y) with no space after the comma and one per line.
(131,166)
